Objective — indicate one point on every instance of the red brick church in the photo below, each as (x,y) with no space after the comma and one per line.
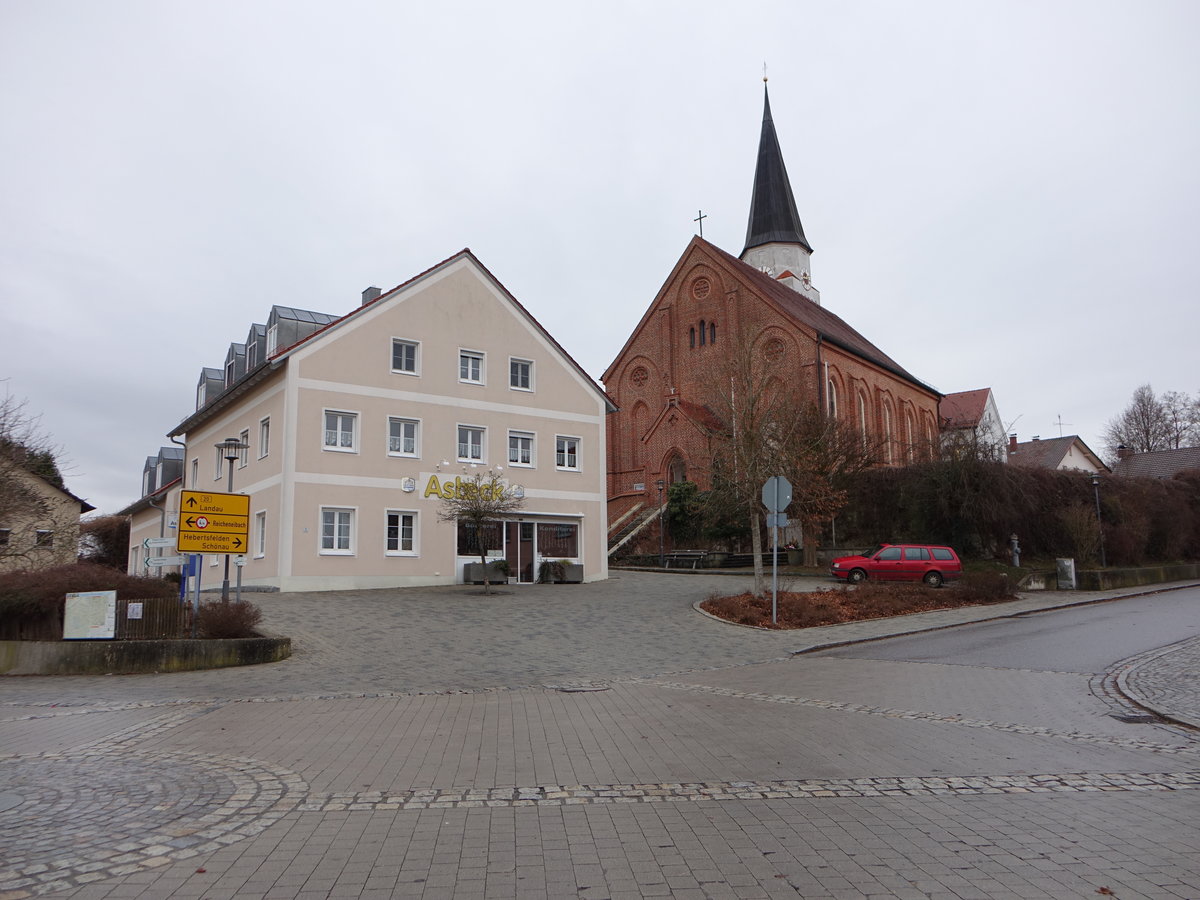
(765,300)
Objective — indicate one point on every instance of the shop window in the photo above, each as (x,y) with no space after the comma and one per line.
(557,541)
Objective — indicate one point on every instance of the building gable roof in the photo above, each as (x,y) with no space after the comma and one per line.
(963,409)
(1049,453)
(332,323)
(827,325)
(1158,464)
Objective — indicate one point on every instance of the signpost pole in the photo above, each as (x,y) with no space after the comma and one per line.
(775,572)
(196,596)
(776,495)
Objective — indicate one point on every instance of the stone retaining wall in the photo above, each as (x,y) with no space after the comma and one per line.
(130,657)
(1106,579)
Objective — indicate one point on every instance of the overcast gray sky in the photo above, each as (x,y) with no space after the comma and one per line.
(998,194)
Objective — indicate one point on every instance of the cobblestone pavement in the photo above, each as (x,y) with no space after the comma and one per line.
(1166,681)
(442,744)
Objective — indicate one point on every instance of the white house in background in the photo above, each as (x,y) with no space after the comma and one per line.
(358,425)
(154,514)
(1068,452)
(971,418)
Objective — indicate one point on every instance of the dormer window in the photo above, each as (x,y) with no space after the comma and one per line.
(200,394)
(230,372)
(251,356)
(272,340)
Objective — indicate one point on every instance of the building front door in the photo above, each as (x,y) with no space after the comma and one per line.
(519,550)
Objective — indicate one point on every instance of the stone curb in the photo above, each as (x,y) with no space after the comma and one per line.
(1137,699)
(995,613)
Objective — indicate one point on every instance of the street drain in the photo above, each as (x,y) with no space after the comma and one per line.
(1135,718)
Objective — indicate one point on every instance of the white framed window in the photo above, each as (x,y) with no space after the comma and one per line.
(401,533)
(470,366)
(44,538)
(520,448)
(260,534)
(195,472)
(264,437)
(272,339)
(406,357)
(520,374)
(337,531)
(244,453)
(566,453)
(341,431)
(471,443)
(220,467)
(230,369)
(251,356)
(403,437)
(133,560)
(200,394)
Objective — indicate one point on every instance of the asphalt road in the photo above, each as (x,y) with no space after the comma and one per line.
(1084,640)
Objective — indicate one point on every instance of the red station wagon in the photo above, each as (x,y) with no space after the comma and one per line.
(901,562)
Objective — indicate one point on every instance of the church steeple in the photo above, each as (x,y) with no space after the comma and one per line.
(775,240)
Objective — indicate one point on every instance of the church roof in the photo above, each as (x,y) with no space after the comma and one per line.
(828,326)
(773,215)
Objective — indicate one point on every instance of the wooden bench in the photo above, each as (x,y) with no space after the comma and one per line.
(695,557)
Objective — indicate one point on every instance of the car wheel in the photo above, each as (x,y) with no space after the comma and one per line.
(933,579)
(856,575)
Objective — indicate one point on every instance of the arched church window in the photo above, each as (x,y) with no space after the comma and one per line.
(712,332)
(862,418)
(692,336)
(833,399)
(910,434)
(703,333)
(887,433)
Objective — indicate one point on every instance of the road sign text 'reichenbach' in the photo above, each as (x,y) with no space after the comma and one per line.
(211,522)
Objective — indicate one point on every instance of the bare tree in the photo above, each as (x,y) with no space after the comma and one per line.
(1142,426)
(1182,414)
(105,540)
(768,429)
(481,502)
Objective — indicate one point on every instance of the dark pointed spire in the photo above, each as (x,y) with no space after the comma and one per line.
(773,216)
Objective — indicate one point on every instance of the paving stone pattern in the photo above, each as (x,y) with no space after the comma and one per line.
(394,763)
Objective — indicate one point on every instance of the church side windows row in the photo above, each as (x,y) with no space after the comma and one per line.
(472,365)
(706,332)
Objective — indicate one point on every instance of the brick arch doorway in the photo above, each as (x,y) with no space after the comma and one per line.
(676,470)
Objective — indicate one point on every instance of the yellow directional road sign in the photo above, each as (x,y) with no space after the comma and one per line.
(211,522)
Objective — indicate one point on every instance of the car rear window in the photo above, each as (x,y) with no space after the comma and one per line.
(916,553)
(941,553)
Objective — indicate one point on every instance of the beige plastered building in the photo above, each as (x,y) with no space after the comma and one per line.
(357,429)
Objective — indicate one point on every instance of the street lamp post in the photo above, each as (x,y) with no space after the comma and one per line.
(1099,522)
(661,558)
(231,449)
